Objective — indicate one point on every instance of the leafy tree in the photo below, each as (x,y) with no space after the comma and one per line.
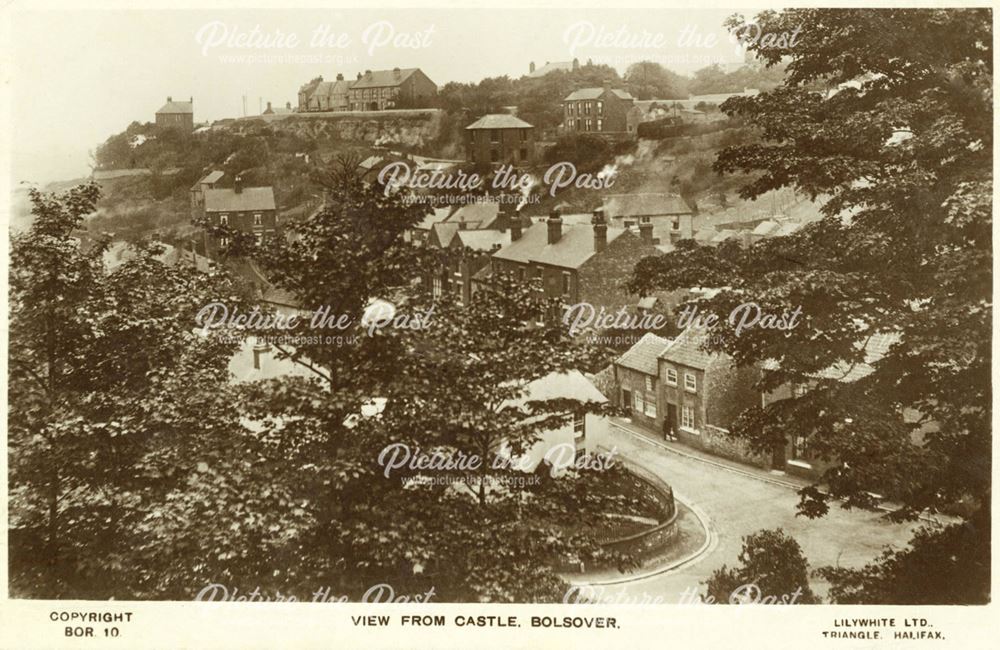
(772,571)
(903,155)
(650,80)
(942,564)
(451,387)
(109,388)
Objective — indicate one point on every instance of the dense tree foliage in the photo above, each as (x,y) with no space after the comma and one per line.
(900,148)
(772,570)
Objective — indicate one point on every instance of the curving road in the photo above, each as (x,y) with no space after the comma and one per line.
(735,504)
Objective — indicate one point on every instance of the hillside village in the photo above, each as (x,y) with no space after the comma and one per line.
(660,315)
(254,176)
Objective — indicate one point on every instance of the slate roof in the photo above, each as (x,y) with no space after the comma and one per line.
(177,107)
(575,246)
(476,215)
(705,235)
(685,350)
(331,88)
(251,198)
(644,205)
(383,78)
(766,227)
(210,177)
(644,354)
(876,347)
(444,232)
(499,121)
(595,93)
(551,67)
(483,240)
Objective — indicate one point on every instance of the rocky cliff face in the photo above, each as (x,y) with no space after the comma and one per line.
(414,128)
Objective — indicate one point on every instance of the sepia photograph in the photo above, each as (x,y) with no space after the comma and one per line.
(582,307)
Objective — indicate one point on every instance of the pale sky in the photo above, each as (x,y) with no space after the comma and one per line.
(79,77)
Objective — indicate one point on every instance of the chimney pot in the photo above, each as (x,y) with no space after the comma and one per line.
(340,76)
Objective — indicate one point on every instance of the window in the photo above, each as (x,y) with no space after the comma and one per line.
(524,134)
(258,219)
(259,237)
(799,448)
(675,224)
(224,219)
(600,124)
(523,153)
(436,287)
(494,135)
(690,383)
(650,409)
(494,155)
(224,242)
(580,426)
(600,108)
(671,377)
(649,384)
(645,220)
(687,418)
(565,283)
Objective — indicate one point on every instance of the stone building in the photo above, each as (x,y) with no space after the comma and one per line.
(245,209)
(500,139)
(597,110)
(176,115)
(386,89)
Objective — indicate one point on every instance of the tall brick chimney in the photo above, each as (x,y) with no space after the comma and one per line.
(515,227)
(508,214)
(600,230)
(555,226)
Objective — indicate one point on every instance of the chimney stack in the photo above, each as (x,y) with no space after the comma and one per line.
(555,226)
(396,73)
(368,74)
(269,107)
(607,84)
(531,67)
(646,231)
(238,185)
(359,76)
(515,227)
(508,214)
(340,76)
(288,105)
(600,230)
(169,99)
